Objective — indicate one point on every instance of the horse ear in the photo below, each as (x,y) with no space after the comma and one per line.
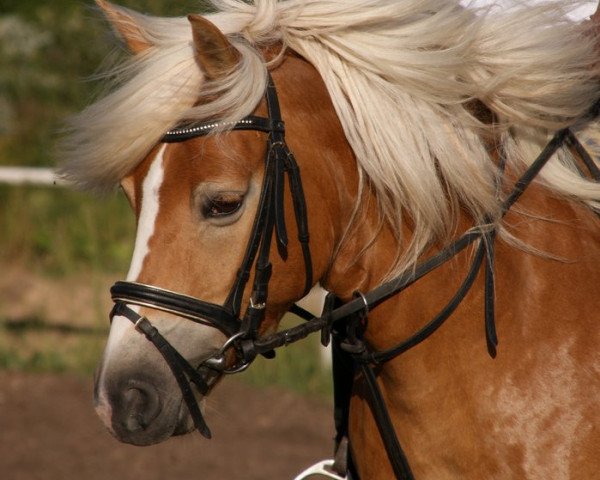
(215,54)
(126,26)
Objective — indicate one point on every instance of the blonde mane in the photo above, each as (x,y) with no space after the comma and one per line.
(402,76)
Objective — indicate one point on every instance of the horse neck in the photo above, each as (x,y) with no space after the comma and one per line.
(369,246)
(366,249)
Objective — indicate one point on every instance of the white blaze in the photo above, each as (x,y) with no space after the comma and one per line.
(145,229)
(148,213)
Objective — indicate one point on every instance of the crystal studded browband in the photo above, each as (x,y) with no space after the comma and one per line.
(193,130)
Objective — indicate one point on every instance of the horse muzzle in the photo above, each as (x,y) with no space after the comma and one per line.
(141,404)
(135,409)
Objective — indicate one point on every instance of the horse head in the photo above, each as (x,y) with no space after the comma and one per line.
(197,203)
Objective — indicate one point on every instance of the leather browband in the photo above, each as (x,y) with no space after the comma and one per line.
(192,130)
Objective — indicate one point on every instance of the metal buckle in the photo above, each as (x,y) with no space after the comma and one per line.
(359,294)
(138,322)
(217,361)
(257,306)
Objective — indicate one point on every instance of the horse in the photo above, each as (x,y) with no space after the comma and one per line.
(409,131)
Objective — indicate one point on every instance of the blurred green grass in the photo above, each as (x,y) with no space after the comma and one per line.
(48,53)
(59,232)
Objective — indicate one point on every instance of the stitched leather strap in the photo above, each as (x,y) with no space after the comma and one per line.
(188,307)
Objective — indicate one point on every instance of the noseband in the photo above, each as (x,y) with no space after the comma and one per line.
(269,221)
(344,322)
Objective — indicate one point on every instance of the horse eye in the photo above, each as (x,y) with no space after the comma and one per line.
(222,205)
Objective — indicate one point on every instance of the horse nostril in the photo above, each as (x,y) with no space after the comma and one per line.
(140,406)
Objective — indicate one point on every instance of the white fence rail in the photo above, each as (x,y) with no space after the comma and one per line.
(29,175)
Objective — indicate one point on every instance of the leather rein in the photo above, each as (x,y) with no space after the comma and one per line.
(345,323)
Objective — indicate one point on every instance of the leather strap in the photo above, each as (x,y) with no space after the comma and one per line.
(194,130)
(371,299)
(395,453)
(188,307)
(179,366)
(586,158)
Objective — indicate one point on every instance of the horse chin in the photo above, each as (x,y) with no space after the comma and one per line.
(162,428)
(145,437)
(185,424)
(168,424)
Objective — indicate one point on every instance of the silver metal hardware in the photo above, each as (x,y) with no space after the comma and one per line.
(257,306)
(218,361)
(237,369)
(215,363)
(138,322)
(358,293)
(321,468)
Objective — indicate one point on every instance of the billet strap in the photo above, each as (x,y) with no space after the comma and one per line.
(301,216)
(278,162)
(262,269)
(234,299)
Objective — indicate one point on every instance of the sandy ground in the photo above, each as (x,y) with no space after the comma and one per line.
(49,431)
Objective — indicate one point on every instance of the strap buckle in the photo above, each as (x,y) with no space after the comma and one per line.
(138,324)
(257,306)
(218,361)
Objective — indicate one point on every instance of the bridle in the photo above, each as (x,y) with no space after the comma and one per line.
(345,323)
(269,221)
